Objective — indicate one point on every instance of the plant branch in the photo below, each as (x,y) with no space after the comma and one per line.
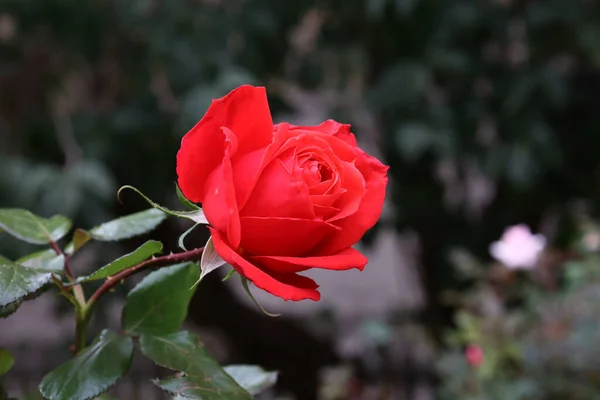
(59,251)
(157,262)
(81,313)
(81,325)
(77,289)
(84,312)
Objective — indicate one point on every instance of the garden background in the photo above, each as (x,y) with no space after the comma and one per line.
(486,111)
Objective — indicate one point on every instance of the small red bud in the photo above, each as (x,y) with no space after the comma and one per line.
(474,355)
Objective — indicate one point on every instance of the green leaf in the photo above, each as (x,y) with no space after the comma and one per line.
(252,377)
(30,228)
(184,200)
(91,372)
(17,281)
(197,215)
(142,253)
(6,361)
(129,226)
(210,260)
(45,260)
(159,303)
(247,289)
(204,378)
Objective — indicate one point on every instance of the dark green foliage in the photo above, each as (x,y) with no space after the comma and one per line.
(204,379)
(159,303)
(91,372)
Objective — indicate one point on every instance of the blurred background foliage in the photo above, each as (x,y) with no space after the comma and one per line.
(486,110)
(535,330)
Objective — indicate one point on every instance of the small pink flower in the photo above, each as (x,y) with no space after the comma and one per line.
(474,355)
(518,248)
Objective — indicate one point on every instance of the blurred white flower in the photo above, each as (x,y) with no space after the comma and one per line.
(592,241)
(518,248)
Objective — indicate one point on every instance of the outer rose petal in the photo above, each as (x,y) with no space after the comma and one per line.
(282,236)
(355,188)
(287,286)
(345,259)
(220,204)
(246,112)
(354,226)
(333,128)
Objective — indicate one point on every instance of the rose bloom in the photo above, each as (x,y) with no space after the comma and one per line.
(518,248)
(280,199)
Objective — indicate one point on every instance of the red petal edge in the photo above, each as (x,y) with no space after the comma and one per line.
(287,286)
(220,204)
(245,111)
(344,260)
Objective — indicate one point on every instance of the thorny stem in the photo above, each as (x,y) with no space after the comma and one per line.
(77,289)
(157,262)
(84,308)
(59,251)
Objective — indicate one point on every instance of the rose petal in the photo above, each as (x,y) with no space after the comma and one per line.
(282,236)
(354,190)
(325,212)
(245,174)
(324,187)
(253,164)
(345,259)
(343,149)
(351,185)
(245,111)
(220,204)
(333,128)
(279,194)
(354,226)
(326,200)
(287,286)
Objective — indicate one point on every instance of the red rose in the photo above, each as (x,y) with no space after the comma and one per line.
(280,199)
